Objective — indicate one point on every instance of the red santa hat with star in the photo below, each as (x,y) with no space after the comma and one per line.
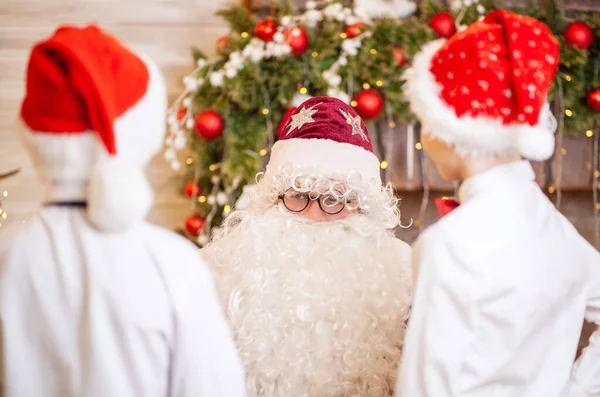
(484,90)
(95,115)
(325,136)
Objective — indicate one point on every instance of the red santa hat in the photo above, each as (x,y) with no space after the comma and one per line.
(484,90)
(326,136)
(95,112)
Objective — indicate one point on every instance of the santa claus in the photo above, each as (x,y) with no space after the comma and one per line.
(315,284)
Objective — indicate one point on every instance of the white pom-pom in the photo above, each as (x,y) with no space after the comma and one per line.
(535,144)
(119,195)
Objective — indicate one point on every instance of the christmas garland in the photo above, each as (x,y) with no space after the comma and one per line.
(232,106)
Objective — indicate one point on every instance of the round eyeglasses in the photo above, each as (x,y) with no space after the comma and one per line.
(329,203)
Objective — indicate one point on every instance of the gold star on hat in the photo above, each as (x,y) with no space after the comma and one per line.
(304,116)
(355,122)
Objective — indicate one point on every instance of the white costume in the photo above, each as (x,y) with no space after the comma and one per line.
(111,306)
(504,281)
(503,285)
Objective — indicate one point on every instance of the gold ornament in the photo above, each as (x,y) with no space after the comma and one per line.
(304,116)
(355,122)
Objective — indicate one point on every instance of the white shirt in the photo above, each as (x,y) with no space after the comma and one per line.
(503,285)
(87,313)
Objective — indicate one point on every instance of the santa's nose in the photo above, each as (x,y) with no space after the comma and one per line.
(314,212)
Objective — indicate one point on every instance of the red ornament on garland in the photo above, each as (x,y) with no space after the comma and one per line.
(297,39)
(181,112)
(209,124)
(265,30)
(222,43)
(443,24)
(579,34)
(194,224)
(191,189)
(369,104)
(354,30)
(399,56)
(593,100)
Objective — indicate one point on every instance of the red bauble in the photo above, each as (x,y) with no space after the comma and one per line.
(194,224)
(265,30)
(369,104)
(443,24)
(297,39)
(593,99)
(209,124)
(181,112)
(192,189)
(579,35)
(354,29)
(222,43)
(399,56)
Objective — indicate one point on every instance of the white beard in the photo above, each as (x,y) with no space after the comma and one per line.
(316,309)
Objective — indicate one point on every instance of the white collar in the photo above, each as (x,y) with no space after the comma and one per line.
(496,178)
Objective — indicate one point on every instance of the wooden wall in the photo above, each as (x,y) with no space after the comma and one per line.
(164,29)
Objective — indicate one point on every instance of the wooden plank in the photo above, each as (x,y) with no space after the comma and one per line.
(50,13)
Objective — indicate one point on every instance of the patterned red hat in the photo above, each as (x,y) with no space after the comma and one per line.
(326,135)
(484,90)
(95,113)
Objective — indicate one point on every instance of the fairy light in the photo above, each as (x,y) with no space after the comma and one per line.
(343,35)
(597,174)
(418,146)
(366,86)
(568,78)
(392,124)
(384,164)
(353,104)
(4,215)
(303,90)
(189,161)
(314,54)
(262,152)
(563,151)
(265,111)
(226,209)
(244,35)
(379,83)
(373,51)
(568,112)
(202,199)
(212,167)
(551,189)
(5,194)
(589,133)
(598,206)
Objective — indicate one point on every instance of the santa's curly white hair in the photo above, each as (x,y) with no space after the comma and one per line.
(316,308)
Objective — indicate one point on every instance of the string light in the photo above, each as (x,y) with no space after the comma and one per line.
(212,167)
(569,112)
(226,209)
(568,78)
(366,86)
(373,51)
(392,124)
(343,35)
(551,189)
(353,104)
(379,83)
(384,164)
(598,206)
(4,215)
(597,174)
(263,152)
(244,35)
(5,194)
(303,90)
(189,161)
(563,151)
(315,54)
(418,146)
(265,111)
(202,199)
(589,133)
